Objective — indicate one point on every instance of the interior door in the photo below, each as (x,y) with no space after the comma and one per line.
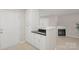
(10,29)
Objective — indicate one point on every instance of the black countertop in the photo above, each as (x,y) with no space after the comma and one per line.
(37,32)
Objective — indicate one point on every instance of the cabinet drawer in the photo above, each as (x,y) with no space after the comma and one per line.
(39,40)
(43,42)
(36,40)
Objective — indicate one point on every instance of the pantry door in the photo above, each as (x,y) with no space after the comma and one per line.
(9,29)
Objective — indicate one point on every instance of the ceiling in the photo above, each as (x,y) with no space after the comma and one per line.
(47,12)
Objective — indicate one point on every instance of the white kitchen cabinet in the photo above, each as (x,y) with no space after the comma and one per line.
(47,42)
(31,23)
(48,21)
(44,22)
(36,40)
(43,40)
(32,19)
(39,41)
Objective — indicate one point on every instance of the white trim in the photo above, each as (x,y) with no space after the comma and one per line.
(73,36)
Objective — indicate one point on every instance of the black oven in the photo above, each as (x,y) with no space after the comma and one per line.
(61,32)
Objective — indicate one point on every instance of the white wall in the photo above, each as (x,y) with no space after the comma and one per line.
(12,23)
(69,21)
(53,20)
(46,21)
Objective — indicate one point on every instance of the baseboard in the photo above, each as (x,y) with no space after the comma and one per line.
(72,36)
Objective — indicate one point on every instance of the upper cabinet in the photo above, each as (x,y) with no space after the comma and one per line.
(44,21)
(32,18)
(48,21)
(31,23)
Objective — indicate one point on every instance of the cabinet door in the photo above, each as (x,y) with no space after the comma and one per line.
(29,36)
(35,18)
(32,23)
(32,18)
(36,40)
(44,22)
(42,42)
(39,41)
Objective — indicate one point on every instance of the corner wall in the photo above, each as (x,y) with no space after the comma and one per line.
(69,21)
(12,23)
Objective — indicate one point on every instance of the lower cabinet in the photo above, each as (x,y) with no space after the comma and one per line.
(39,41)
(43,42)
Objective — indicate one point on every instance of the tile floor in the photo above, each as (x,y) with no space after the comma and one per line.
(62,43)
(67,43)
(22,46)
